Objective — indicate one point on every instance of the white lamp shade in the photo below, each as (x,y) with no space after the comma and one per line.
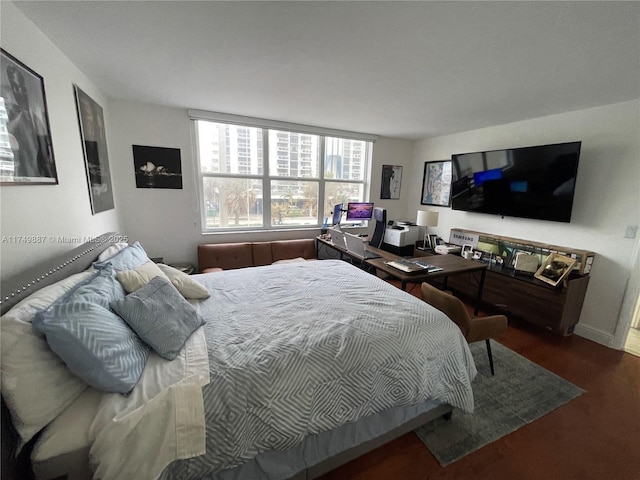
(427,218)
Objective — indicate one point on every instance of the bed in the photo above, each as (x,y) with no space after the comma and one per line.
(289,371)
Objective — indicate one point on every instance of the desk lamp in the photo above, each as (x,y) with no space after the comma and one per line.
(426,218)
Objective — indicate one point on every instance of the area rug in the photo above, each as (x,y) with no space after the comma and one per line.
(519,393)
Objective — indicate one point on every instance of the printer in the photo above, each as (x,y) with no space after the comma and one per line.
(401,234)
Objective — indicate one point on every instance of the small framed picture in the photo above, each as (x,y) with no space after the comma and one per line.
(433,240)
(555,268)
(477,255)
(391,180)
(157,167)
(466,248)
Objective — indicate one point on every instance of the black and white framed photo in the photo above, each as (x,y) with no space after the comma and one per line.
(157,167)
(94,146)
(436,183)
(391,182)
(433,241)
(26,151)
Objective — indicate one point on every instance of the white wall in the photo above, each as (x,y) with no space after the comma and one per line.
(49,210)
(167,222)
(607,197)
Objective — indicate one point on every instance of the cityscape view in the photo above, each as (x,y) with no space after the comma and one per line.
(233,164)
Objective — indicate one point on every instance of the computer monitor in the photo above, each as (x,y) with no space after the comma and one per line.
(357,211)
(337,214)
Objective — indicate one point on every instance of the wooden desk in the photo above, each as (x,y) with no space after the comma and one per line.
(343,251)
(450,264)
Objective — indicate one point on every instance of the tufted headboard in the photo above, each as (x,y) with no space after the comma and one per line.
(15,289)
(20,286)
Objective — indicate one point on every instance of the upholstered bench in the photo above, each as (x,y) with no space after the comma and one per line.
(214,257)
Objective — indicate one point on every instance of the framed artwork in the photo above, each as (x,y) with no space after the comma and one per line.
(94,147)
(391,180)
(433,240)
(157,167)
(26,155)
(555,268)
(436,183)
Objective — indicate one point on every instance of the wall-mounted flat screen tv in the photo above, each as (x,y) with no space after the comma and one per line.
(531,182)
(357,211)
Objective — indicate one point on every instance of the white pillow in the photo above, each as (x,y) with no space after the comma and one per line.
(36,384)
(112,250)
(132,280)
(290,260)
(69,431)
(186,285)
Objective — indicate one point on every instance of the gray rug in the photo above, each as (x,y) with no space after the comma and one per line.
(519,393)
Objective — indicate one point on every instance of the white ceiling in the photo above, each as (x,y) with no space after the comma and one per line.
(397,69)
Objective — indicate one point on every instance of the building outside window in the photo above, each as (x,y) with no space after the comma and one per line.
(264,178)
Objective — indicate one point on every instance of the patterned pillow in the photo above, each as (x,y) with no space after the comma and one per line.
(160,316)
(92,341)
(127,259)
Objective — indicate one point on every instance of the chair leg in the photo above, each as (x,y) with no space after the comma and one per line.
(490,356)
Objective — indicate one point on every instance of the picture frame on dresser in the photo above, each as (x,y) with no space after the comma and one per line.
(555,269)
(433,240)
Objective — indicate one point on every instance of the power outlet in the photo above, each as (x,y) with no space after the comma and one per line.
(631,231)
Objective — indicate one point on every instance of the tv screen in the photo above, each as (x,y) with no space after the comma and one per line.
(531,182)
(359,211)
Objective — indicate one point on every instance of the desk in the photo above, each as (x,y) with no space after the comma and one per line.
(450,264)
(343,251)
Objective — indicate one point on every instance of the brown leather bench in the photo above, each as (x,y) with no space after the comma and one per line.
(214,257)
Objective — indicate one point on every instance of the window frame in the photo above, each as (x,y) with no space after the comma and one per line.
(267,178)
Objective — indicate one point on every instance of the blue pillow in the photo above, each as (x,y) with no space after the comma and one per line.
(91,340)
(127,259)
(160,315)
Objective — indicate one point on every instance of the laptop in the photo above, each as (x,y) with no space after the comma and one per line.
(355,245)
(409,266)
(337,237)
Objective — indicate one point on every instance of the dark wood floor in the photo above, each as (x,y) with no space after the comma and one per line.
(596,436)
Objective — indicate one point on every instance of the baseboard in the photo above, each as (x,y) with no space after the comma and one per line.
(594,335)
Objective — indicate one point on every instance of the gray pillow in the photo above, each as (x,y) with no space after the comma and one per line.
(159,314)
(91,340)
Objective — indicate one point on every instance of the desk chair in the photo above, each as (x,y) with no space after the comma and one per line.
(474,329)
(380,216)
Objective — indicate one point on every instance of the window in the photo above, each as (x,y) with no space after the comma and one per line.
(266,178)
